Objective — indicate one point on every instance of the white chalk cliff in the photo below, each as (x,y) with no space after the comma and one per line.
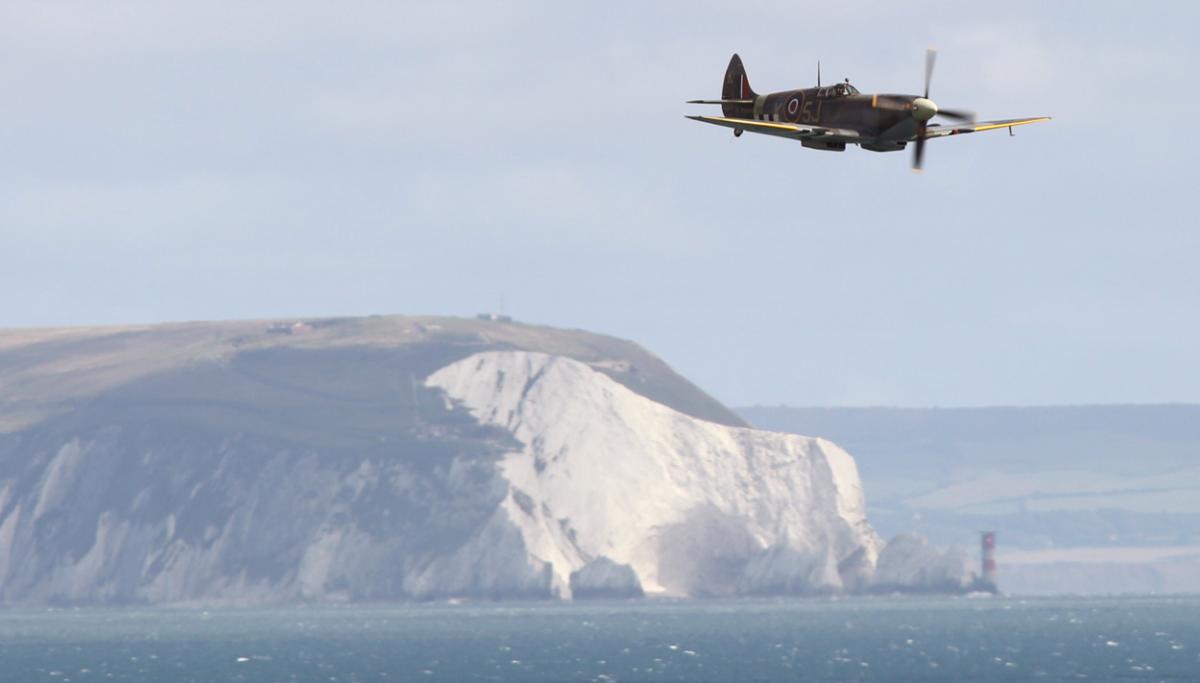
(690,505)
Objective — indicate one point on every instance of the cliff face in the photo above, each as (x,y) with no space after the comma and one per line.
(602,471)
(390,459)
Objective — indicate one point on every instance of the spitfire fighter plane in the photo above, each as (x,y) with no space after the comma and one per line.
(831,117)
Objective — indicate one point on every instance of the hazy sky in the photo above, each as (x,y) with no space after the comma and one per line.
(178,161)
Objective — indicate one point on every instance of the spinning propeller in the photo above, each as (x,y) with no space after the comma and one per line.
(924,109)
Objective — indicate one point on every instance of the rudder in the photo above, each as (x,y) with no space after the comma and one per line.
(736,87)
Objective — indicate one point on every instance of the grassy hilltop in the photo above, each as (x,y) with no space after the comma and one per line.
(228,368)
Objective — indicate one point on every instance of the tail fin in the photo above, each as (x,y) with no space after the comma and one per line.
(736,87)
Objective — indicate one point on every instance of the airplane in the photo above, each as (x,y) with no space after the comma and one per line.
(831,117)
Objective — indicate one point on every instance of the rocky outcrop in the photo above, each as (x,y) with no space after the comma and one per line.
(604,579)
(909,564)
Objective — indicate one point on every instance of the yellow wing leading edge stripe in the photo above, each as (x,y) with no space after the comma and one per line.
(789,130)
(1009,124)
(748,123)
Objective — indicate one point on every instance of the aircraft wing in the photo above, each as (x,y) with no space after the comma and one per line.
(937,130)
(794,131)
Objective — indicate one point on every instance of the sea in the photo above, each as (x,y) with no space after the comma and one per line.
(847,639)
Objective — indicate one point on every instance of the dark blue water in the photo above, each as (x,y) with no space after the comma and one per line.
(883,639)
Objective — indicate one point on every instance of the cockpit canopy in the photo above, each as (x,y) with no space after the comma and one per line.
(839,90)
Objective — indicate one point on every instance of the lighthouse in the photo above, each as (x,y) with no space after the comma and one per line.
(987,548)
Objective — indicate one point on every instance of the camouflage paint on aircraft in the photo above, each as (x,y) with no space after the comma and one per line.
(830,117)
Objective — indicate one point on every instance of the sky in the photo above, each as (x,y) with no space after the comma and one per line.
(202,161)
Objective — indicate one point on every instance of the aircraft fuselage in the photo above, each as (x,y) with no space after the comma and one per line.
(838,106)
